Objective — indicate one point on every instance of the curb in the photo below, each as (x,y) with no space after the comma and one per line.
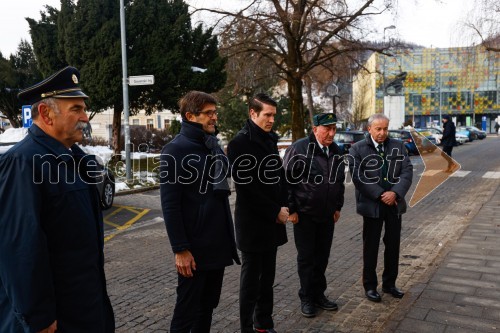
(137,190)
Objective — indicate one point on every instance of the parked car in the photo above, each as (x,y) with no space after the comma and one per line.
(471,135)
(425,142)
(345,139)
(480,133)
(436,133)
(105,179)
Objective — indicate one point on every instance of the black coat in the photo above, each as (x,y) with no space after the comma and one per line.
(449,133)
(197,218)
(260,188)
(365,168)
(51,240)
(315,181)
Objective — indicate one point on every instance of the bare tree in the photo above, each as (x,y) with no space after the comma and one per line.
(481,25)
(299,35)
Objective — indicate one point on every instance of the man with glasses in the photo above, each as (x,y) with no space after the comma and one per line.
(194,198)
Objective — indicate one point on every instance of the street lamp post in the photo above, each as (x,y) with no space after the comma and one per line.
(385,59)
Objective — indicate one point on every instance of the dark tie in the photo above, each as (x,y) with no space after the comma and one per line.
(325,150)
(383,176)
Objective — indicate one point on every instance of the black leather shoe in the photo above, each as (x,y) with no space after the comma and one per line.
(373,295)
(395,292)
(261,330)
(325,304)
(307,309)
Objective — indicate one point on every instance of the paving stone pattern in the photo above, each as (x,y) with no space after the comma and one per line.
(449,280)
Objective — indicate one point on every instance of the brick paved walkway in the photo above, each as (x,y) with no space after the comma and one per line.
(142,279)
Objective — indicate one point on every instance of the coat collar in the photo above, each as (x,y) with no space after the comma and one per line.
(369,141)
(56,147)
(194,130)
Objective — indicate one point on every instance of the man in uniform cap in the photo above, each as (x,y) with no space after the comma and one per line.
(51,240)
(315,174)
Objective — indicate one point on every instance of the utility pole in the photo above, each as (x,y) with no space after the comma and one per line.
(126,111)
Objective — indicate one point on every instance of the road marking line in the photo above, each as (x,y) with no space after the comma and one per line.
(492,175)
(460,173)
(128,224)
(430,172)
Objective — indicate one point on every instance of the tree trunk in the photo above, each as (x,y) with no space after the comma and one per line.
(117,129)
(310,101)
(297,106)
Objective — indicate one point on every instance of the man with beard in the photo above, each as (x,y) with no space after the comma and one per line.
(194,198)
(51,240)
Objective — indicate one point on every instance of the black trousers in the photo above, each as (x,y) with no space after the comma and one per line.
(447,154)
(256,290)
(313,240)
(372,229)
(197,297)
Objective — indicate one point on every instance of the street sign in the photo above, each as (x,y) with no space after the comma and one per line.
(27,121)
(142,80)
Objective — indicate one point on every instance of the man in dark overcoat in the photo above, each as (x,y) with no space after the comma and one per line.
(448,140)
(315,173)
(194,198)
(261,211)
(382,174)
(51,228)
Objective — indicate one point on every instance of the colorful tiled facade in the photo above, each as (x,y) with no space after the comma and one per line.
(462,82)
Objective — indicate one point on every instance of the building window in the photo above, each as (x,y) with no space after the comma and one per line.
(166,123)
(135,121)
(150,124)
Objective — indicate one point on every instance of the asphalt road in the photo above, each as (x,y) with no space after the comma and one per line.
(142,279)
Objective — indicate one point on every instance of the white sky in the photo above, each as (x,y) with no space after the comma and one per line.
(424,22)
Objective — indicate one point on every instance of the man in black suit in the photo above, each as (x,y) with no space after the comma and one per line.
(260,213)
(382,174)
(194,198)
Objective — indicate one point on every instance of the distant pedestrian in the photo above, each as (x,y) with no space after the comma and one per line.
(194,198)
(448,141)
(51,226)
(315,173)
(261,211)
(382,174)
(497,128)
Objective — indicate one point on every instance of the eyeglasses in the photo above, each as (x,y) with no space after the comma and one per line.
(209,113)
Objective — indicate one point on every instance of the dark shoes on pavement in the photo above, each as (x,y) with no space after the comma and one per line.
(373,295)
(261,330)
(395,292)
(308,310)
(325,304)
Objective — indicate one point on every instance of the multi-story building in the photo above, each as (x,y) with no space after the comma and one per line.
(102,123)
(461,82)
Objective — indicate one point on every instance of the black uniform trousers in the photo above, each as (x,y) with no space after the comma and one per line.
(372,229)
(197,297)
(256,290)
(313,240)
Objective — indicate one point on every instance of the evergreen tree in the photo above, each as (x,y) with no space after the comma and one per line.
(16,73)
(44,38)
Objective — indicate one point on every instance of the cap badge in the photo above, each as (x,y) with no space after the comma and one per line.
(74,78)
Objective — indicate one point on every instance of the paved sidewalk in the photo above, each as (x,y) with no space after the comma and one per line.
(449,268)
(463,295)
